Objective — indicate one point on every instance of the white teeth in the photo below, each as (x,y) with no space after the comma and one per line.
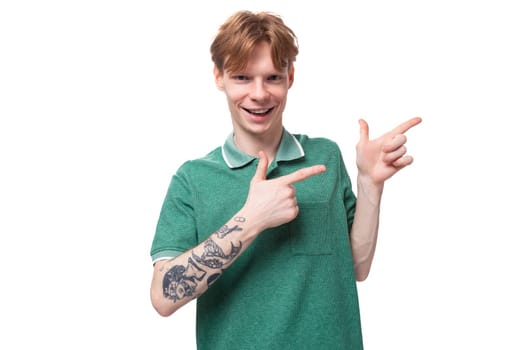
(259,111)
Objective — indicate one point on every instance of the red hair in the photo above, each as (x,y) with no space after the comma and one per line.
(238,36)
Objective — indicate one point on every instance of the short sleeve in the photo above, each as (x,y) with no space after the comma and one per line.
(176,227)
(349,197)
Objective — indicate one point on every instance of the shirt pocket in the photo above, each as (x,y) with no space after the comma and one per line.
(310,232)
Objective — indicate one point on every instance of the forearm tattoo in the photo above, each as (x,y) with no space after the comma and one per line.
(225,230)
(182,281)
(214,257)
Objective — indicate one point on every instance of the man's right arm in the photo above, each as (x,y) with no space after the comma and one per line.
(270,203)
(181,279)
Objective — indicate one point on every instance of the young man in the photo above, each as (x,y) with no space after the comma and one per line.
(266,230)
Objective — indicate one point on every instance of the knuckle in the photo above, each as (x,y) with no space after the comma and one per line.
(289,192)
(291,213)
(295,211)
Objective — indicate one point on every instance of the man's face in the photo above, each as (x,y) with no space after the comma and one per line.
(256,96)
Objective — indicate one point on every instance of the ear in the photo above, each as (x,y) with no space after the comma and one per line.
(291,73)
(219,82)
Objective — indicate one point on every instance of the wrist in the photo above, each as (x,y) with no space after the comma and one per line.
(248,223)
(370,189)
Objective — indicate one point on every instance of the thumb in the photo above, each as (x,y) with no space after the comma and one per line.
(262,167)
(363,130)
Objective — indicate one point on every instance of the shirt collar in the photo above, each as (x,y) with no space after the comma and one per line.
(289,149)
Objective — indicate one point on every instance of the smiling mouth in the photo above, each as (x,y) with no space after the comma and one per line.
(259,112)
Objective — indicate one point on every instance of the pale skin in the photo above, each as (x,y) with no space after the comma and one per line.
(256,99)
(377,160)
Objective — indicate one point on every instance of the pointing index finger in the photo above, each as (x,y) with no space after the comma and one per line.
(303,174)
(404,127)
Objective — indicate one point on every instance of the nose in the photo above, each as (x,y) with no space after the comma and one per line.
(259,91)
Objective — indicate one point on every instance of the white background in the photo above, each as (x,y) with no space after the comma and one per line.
(101,101)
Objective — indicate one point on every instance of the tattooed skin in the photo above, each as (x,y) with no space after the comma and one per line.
(214,257)
(181,281)
(225,230)
(213,278)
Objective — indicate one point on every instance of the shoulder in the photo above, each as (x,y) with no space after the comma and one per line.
(213,159)
(195,171)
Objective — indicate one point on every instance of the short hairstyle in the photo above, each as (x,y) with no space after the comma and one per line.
(238,36)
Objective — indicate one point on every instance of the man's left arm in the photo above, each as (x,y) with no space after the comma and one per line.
(377,160)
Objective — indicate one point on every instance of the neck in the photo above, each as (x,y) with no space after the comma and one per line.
(252,144)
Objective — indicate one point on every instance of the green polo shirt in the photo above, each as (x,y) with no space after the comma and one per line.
(294,286)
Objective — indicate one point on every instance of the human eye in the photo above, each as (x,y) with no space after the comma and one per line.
(240,77)
(275,77)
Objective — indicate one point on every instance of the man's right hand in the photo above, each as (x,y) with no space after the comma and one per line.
(271,203)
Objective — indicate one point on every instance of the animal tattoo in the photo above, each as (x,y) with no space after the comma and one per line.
(182,281)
